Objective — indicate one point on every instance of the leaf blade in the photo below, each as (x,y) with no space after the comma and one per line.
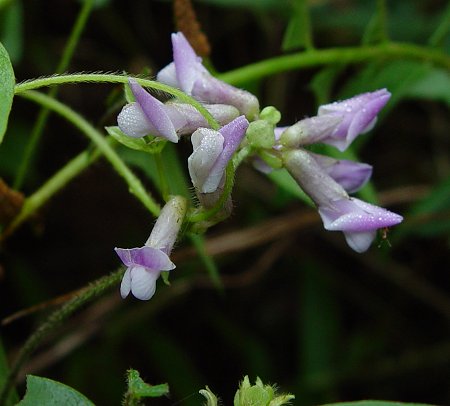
(7,83)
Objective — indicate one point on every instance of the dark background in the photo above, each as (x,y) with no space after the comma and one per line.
(299,308)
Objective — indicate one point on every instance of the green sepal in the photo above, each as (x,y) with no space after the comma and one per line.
(211,399)
(138,389)
(149,144)
(271,158)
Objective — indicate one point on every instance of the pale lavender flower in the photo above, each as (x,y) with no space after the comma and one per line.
(339,212)
(338,123)
(358,114)
(168,120)
(145,264)
(352,176)
(188,73)
(212,151)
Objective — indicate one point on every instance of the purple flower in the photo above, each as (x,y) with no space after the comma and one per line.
(150,116)
(339,212)
(145,264)
(187,73)
(212,151)
(358,114)
(358,220)
(338,123)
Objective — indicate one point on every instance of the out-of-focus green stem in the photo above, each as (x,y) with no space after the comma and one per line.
(135,185)
(54,184)
(314,57)
(113,78)
(39,125)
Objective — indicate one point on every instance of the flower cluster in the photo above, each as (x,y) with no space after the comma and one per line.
(244,128)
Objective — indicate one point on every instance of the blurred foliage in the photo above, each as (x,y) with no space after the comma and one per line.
(297,307)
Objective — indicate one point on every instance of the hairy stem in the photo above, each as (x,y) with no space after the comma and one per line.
(115,78)
(54,320)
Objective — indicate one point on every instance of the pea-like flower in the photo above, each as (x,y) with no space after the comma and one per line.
(358,220)
(188,73)
(337,123)
(145,264)
(212,152)
(168,120)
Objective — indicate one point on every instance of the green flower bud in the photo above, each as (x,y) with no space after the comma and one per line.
(260,134)
(270,114)
(259,394)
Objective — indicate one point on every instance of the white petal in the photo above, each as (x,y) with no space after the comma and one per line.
(360,241)
(143,282)
(125,286)
(208,145)
(132,121)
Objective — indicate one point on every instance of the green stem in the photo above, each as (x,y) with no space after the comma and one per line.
(41,121)
(164,186)
(114,78)
(54,320)
(313,58)
(135,185)
(34,202)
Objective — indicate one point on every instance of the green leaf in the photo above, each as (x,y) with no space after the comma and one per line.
(434,85)
(12,399)
(154,146)
(46,392)
(375,403)
(298,32)
(323,82)
(11,30)
(139,389)
(7,83)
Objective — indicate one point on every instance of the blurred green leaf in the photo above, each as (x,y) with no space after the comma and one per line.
(318,327)
(298,32)
(375,403)
(285,181)
(7,83)
(139,389)
(435,85)
(376,29)
(172,168)
(11,29)
(165,354)
(323,82)
(46,392)
(199,243)
(430,216)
